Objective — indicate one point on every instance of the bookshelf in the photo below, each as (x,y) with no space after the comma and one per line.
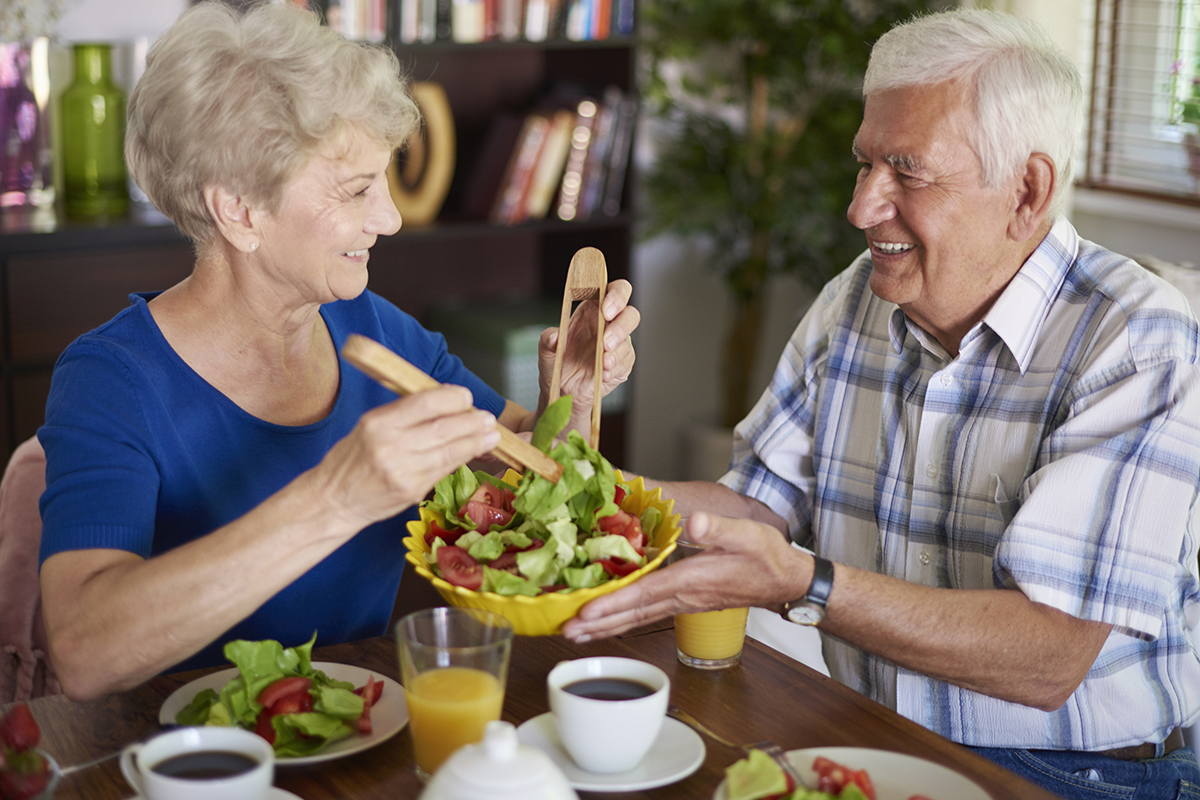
(59,279)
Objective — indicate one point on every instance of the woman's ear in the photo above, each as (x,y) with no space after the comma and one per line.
(234,217)
(1035,188)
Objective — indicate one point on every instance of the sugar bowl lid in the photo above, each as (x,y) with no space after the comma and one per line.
(499,768)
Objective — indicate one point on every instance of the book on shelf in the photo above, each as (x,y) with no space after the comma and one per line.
(549,168)
(618,159)
(572,178)
(597,157)
(510,203)
(470,21)
(491,163)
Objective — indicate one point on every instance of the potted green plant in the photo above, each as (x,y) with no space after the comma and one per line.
(760,101)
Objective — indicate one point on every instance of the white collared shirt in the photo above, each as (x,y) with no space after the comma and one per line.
(1057,454)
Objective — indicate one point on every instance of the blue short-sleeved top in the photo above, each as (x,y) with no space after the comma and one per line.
(145,455)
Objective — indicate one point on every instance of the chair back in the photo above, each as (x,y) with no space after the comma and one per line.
(25,669)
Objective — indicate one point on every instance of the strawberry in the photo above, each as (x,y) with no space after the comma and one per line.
(23,786)
(25,776)
(18,729)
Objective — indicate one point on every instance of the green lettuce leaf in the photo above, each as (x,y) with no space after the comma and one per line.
(305,733)
(504,582)
(551,422)
(611,546)
(585,577)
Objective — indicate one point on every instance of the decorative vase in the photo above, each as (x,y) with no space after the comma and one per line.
(26,158)
(93,138)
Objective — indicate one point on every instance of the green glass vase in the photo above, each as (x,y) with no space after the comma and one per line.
(93,138)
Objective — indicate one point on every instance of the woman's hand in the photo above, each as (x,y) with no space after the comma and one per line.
(579,358)
(397,452)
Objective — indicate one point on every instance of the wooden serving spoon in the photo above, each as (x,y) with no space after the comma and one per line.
(586,277)
(402,377)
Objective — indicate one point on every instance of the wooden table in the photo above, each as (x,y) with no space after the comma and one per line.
(768,696)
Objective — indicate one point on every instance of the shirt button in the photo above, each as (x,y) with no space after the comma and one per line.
(947,380)
(931,470)
(924,558)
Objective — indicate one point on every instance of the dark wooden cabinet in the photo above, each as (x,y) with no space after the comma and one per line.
(60,280)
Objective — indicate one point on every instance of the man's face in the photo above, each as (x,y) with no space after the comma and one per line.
(939,240)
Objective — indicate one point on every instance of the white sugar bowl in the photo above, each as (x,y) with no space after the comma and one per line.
(499,768)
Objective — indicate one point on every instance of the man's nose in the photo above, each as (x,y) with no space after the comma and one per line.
(872,204)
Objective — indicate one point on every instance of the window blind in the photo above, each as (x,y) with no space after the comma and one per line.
(1144,60)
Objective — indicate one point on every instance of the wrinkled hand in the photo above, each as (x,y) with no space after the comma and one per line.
(747,564)
(398,451)
(579,358)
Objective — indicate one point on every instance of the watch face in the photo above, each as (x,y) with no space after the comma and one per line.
(806,614)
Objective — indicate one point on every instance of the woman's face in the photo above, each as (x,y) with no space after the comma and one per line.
(331,214)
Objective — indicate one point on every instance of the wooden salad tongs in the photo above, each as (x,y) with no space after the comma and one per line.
(587,277)
(402,377)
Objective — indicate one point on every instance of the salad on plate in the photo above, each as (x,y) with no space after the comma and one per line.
(280,695)
(758,777)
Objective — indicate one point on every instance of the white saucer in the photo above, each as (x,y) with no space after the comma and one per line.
(676,753)
(275,794)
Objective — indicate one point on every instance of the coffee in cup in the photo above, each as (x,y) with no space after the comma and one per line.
(608,710)
(201,763)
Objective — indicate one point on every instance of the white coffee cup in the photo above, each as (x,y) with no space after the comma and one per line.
(209,749)
(607,735)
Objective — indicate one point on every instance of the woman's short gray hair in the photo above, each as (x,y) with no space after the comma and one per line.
(243,99)
(1028,97)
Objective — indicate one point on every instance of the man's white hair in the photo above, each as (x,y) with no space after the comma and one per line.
(1028,96)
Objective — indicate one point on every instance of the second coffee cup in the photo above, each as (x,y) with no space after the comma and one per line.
(608,710)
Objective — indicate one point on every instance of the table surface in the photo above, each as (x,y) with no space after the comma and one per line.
(767,696)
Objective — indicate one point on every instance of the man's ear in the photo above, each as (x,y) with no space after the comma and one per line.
(234,217)
(1035,188)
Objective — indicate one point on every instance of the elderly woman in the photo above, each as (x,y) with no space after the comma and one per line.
(214,471)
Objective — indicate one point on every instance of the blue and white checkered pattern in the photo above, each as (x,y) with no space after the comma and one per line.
(1057,454)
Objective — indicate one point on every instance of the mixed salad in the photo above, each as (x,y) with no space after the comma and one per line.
(279,695)
(538,536)
(758,777)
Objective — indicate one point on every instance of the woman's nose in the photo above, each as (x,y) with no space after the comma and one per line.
(384,218)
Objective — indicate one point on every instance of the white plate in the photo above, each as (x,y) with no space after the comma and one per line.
(896,776)
(388,716)
(676,753)
(274,794)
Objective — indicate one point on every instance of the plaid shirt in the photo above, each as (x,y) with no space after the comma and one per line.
(1057,454)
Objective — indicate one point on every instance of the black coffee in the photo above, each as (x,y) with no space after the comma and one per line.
(609,689)
(205,766)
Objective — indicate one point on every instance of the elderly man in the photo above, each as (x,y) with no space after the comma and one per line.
(987,429)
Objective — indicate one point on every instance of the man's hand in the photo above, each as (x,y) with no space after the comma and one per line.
(746,564)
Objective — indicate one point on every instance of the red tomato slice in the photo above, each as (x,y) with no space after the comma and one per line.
(457,567)
(618,567)
(862,780)
(505,561)
(619,497)
(438,532)
(264,728)
(624,524)
(485,516)
(370,692)
(282,688)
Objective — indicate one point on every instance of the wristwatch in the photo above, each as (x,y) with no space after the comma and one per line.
(810,609)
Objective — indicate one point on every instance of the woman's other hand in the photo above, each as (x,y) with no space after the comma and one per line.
(397,452)
(579,358)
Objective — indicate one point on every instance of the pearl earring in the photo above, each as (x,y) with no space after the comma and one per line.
(253,246)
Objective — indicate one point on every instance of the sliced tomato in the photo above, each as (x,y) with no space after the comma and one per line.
(862,780)
(370,692)
(264,728)
(618,567)
(281,688)
(624,524)
(505,561)
(457,567)
(438,532)
(484,516)
(619,497)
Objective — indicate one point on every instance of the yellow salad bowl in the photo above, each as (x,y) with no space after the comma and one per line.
(545,614)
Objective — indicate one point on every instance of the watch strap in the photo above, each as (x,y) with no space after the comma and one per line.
(818,590)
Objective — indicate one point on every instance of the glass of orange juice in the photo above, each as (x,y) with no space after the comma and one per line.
(710,639)
(453,664)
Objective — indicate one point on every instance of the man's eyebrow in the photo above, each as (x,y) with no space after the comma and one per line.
(901,163)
